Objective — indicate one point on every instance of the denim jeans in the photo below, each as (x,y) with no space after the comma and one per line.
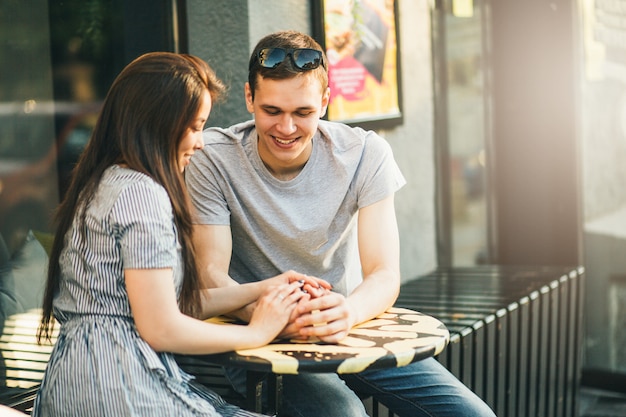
(422,389)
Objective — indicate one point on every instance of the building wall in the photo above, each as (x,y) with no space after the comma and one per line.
(224,32)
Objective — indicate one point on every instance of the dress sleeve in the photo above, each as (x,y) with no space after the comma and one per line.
(144,227)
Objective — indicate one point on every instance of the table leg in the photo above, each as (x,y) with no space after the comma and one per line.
(275,393)
(254,391)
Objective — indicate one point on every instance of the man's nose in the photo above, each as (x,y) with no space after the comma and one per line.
(286,125)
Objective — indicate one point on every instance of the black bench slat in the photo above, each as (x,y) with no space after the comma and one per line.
(515,339)
(23,361)
(19,398)
(529,336)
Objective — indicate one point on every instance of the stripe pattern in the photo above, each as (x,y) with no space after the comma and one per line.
(100,366)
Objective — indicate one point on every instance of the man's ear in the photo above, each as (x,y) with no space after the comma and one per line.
(325,101)
(249,99)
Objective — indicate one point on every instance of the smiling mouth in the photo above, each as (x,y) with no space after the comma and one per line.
(285,142)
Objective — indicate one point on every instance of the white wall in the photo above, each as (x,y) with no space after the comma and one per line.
(413,142)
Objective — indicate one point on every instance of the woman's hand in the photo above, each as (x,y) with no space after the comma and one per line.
(274,308)
(315,287)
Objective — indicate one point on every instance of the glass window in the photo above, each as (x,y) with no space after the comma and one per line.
(459,31)
(58,61)
(603,140)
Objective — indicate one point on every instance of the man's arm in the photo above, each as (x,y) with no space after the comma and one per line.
(213,245)
(221,293)
(379,250)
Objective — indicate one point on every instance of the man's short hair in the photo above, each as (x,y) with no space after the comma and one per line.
(289,39)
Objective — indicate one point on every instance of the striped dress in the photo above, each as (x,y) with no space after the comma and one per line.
(100,366)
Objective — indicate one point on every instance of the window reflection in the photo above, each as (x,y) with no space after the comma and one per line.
(59,58)
(466,95)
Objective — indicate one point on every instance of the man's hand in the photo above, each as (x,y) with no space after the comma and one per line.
(314,287)
(329,318)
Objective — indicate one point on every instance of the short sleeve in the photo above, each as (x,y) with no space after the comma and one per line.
(204,190)
(378,174)
(144,227)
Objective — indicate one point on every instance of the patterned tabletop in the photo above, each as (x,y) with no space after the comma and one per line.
(397,337)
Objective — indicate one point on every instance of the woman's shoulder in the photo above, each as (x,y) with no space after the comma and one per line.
(122,178)
(130,187)
(119,174)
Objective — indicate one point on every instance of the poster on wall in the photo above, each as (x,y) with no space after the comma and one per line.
(361,44)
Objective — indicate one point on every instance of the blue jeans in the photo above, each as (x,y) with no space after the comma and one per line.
(422,389)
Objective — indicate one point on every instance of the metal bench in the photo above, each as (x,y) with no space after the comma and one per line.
(516,335)
(22,362)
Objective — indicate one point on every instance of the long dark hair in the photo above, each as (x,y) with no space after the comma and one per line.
(143,119)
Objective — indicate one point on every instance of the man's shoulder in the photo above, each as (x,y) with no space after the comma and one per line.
(231,135)
(337,129)
(344,136)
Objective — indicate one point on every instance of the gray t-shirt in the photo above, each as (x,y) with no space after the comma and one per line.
(309,223)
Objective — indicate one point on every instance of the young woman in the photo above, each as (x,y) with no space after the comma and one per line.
(122,280)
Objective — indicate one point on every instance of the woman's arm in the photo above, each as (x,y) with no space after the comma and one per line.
(224,300)
(155,310)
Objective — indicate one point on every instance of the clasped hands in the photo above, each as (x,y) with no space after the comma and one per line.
(321,313)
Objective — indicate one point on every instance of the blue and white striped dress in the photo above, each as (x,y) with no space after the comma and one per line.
(100,366)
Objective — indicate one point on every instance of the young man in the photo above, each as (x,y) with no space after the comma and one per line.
(288,191)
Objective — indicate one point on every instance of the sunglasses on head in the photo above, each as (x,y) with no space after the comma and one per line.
(302,58)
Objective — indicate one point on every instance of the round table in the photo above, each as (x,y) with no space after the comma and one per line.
(397,337)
